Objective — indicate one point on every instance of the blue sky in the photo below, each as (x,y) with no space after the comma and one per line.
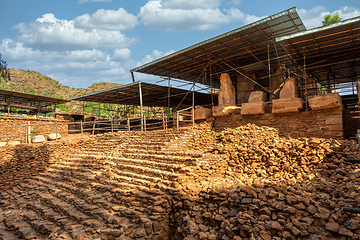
(81,42)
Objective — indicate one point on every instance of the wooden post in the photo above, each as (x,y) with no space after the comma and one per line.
(81,128)
(129,124)
(29,132)
(163,117)
(112,125)
(93,132)
(145,123)
(165,122)
(26,133)
(54,110)
(177,121)
(141,107)
(56,126)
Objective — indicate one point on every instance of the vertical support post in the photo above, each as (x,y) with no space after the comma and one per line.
(128,121)
(268,48)
(54,110)
(193,108)
(38,110)
(83,110)
(163,118)
(358,138)
(93,130)
(166,124)
(56,130)
(112,125)
(145,123)
(81,128)
(305,82)
(141,107)
(26,133)
(29,132)
(177,121)
(8,105)
(133,77)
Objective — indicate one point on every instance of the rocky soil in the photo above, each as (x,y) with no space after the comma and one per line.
(270,187)
(244,183)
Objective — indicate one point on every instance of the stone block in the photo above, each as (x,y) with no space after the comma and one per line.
(257,96)
(218,111)
(226,94)
(287,105)
(13,143)
(202,113)
(253,108)
(52,136)
(333,121)
(39,139)
(2,144)
(289,89)
(325,101)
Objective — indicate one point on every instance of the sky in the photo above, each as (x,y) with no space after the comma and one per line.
(81,42)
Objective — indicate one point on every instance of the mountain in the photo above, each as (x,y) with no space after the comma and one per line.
(32,82)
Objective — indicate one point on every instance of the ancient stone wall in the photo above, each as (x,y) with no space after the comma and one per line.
(18,123)
(327,123)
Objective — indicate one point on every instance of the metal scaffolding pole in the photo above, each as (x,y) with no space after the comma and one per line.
(141,107)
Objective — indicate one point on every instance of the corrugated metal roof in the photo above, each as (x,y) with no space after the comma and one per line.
(332,53)
(153,96)
(241,48)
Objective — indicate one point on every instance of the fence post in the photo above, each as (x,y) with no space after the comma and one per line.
(93,132)
(81,128)
(56,134)
(163,116)
(144,123)
(177,120)
(29,132)
(26,133)
(129,124)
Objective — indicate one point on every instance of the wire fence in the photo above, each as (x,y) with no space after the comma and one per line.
(27,133)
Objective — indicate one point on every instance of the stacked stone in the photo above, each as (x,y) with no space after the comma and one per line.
(273,188)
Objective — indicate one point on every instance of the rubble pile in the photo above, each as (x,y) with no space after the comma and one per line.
(276,188)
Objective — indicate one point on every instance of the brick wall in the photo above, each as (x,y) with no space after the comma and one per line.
(322,123)
(19,127)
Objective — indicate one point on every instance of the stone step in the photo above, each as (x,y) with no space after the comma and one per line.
(169,159)
(5,233)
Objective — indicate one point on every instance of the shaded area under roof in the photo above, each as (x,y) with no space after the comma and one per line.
(244,48)
(26,101)
(332,53)
(152,96)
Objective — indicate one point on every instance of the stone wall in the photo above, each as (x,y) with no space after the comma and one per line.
(322,123)
(13,126)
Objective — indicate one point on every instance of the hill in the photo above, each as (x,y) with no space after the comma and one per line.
(32,82)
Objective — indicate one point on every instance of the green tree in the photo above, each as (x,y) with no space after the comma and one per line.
(328,19)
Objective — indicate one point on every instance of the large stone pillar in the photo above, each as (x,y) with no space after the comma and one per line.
(244,87)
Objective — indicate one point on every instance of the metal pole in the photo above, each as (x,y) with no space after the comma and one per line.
(29,132)
(132,76)
(141,107)
(305,78)
(177,120)
(26,133)
(145,123)
(128,124)
(56,126)
(81,128)
(193,108)
(163,118)
(268,48)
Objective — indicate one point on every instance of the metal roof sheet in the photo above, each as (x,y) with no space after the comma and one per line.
(330,52)
(153,96)
(240,48)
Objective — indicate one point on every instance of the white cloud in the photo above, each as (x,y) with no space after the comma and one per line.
(235,14)
(107,20)
(313,18)
(121,55)
(188,14)
(78,68)
(154,55)
(50,33)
